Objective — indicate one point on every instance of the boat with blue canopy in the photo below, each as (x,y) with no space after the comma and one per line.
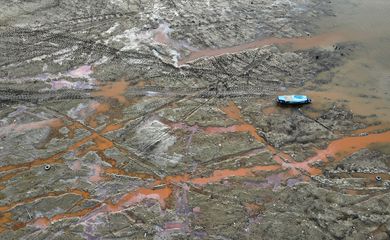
(293,99)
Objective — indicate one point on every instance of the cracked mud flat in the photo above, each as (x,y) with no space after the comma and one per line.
(156,120)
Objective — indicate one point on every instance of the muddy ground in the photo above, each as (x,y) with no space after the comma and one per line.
(156,120)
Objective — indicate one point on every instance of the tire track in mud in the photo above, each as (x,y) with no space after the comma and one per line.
(162,189)
(100,145)
(12,96)
(63,39)
(163,186)
(162,194)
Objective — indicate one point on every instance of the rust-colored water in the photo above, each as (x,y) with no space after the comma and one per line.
(42,222)
(345,146)
(351,81)
(340,149)
(111,128)
(114,90)
(106,159)
(322,40)
(101,143)
(77,214)
(139,195)
(82,193)
(236,128)
(38,162)
(232,111)
(5,218)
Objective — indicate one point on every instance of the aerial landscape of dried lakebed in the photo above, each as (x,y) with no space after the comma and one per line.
(157,120)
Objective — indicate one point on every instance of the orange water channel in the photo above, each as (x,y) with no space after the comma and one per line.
(337,149)
(352,74)
(322,40)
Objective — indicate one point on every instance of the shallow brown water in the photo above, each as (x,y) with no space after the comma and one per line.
(322,40)
(364,81)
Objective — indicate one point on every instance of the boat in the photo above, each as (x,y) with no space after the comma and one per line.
(293,99)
